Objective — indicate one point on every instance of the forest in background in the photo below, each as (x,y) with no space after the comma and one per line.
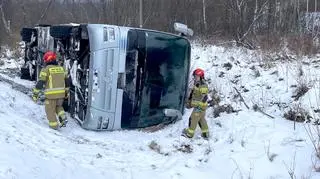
(254,24)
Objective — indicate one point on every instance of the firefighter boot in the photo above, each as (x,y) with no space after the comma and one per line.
(63,121)
(187,133)
(205,135)
(53,125)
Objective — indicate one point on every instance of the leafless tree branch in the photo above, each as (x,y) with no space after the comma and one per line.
(45,11)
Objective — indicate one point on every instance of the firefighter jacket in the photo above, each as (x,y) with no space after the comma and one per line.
(199,96)
(53,78)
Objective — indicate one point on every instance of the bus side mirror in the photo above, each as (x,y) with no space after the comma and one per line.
(172,113)
(183,29)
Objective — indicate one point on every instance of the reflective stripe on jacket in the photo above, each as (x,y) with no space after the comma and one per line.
(54,77)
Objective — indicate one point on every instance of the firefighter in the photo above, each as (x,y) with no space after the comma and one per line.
(198,100)
(53,78)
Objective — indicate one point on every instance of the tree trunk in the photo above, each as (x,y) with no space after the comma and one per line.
(204,15)
(5,22)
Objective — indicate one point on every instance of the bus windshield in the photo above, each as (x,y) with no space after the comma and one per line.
(156,77)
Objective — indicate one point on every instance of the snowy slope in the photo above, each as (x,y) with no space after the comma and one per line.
(246,144)
(264,80)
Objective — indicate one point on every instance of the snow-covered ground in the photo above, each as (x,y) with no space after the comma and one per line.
(246,144)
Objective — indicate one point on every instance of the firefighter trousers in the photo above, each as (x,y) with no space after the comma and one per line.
(195,119)
(53,108)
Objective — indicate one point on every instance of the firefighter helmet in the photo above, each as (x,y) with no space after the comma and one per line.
(198,72)
(49,57)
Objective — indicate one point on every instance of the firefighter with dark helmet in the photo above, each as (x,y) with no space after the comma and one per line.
(198,100)
(53,78)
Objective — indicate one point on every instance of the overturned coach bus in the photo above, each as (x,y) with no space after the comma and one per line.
(121,77)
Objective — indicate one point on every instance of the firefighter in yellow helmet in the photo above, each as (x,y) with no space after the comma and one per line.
(53,78)
(198,100)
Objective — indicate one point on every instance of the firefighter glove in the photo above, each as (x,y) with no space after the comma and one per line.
(201,106)
(66,93)
(35,94)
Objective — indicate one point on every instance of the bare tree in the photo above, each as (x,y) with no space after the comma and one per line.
(45,11)
(245,21)
(6,23)
(204,15)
